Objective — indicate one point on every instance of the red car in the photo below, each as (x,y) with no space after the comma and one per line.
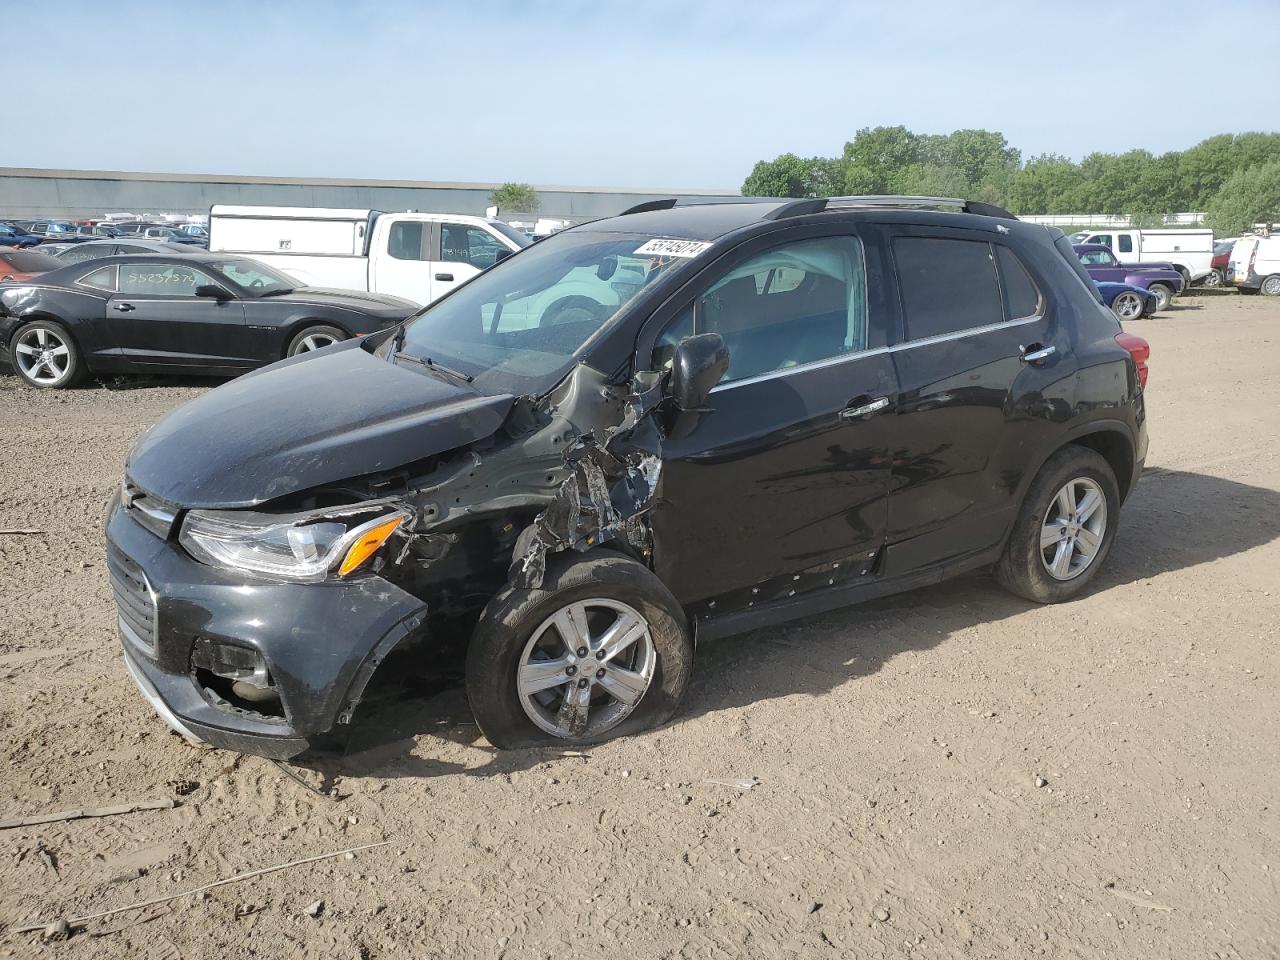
(17,265)
(1218,265)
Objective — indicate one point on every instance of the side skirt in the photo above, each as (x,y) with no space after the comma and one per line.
(791,608)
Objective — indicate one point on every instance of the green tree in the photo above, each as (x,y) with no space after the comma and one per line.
(878,153)
(1249,196)
(793,176)
(976,155)
(1047,184)
(515,198)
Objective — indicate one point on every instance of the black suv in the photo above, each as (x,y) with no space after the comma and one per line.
(680,422)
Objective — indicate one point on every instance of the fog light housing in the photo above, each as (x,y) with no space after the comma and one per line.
(238,675)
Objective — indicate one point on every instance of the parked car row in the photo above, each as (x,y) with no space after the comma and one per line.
(23,233)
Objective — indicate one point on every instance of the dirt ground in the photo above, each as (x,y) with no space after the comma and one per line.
(897,748)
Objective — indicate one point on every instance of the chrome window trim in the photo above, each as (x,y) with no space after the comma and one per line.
(969,332)
(799,367)
(895,348)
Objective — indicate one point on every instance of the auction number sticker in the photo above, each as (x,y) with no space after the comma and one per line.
(659,247)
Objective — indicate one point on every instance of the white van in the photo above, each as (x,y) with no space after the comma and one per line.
(418,256)
(1255,265)
(1190,251)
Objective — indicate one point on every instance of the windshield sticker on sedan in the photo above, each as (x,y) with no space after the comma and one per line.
(673,248)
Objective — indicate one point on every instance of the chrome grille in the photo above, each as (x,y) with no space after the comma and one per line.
(152,512)
(135,601)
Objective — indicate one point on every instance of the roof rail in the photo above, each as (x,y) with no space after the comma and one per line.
(925,203)
(649,205)
(797,208)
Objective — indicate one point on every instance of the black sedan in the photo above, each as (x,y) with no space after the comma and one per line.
(201,313)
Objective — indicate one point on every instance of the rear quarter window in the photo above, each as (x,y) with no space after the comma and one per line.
(101,279)
(946,285)
(1021,294)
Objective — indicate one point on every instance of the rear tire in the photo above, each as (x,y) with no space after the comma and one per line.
(1213,279)
(314,338)
(520,629)
(1060,540)
(1164,295)
(44,355)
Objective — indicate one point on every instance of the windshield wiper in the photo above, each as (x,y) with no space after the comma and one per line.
(434,365)
(276,293)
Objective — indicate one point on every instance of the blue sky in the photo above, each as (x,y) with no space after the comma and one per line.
(648,93)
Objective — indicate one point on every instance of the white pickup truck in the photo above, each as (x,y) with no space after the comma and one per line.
(1190,251)
(418,256)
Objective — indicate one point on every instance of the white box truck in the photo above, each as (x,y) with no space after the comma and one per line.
(1190,251)
(418,256)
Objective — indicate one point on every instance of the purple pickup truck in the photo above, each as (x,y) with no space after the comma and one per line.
(1161,279)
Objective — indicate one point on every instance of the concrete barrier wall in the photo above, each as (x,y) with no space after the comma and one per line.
(88,193)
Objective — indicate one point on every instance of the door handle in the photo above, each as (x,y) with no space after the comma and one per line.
(444,276)
(853,413)
(1037,353)
(123,307)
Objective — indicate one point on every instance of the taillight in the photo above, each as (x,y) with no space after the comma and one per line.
(1140,350)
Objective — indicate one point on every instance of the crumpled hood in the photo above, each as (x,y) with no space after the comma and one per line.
(307,421)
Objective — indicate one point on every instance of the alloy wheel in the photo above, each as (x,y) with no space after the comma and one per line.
(1127,306)
(1163,296)
(1213,279)
(43,356)
(1271,286)
(313,341)
(1073,529)
(586,668)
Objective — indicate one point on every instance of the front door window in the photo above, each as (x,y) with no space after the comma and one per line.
(796,304)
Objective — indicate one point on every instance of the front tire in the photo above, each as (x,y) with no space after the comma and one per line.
(1128,305)
(600,650)
(1065,529)
(1163,294)
(44,355)
(314,338)
(1271,286)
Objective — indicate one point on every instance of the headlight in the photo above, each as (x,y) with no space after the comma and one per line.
(306,546)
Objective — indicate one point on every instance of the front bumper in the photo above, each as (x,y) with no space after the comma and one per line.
(321,641)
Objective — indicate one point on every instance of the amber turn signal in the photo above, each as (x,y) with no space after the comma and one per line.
(368,544)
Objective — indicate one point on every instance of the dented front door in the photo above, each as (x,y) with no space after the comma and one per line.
(782,486)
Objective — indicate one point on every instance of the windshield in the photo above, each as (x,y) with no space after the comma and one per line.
(31,261)
(259,279)
(511,233)
(517,326)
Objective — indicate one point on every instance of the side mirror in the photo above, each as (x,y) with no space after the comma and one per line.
(212,291)
(698,365)
(501,254)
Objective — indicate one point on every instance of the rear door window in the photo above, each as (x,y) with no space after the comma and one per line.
(404,240)
(1125,243)
(946,285)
